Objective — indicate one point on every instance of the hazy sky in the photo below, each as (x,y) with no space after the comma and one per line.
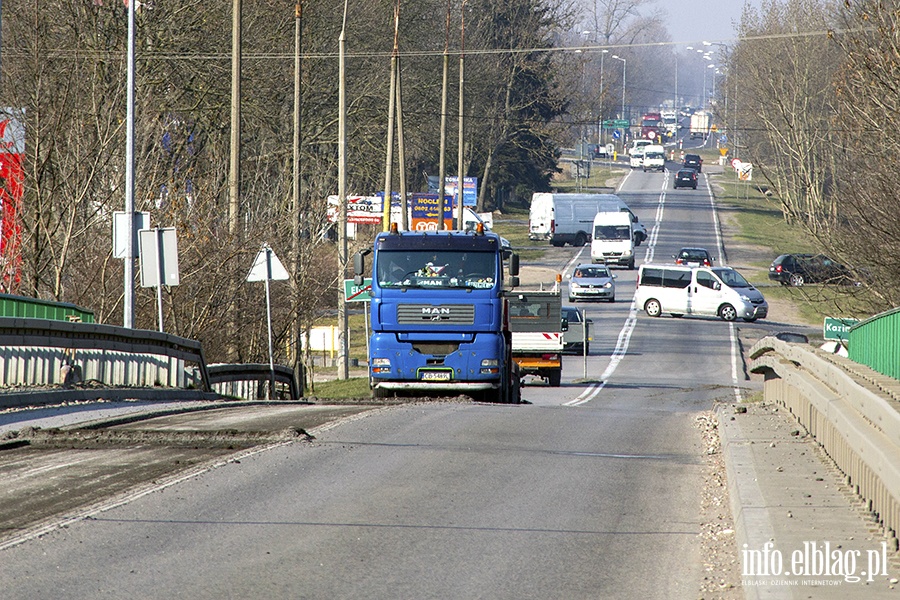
(698,20)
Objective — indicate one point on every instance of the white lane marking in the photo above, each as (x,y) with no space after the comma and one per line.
(628,327)
(732,329)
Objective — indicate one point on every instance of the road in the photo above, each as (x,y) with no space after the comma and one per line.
(589,490)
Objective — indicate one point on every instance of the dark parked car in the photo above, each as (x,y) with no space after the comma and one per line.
(693,257)
(686,178)
(693,161)
(799,269)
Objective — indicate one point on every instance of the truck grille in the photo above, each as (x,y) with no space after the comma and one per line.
(443,314)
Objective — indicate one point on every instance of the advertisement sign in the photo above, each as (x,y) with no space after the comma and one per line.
(363,210)
(470,189)
(424,210)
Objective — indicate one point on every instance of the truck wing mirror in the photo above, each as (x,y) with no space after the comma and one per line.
(514,264)
(564,326)
(359,267)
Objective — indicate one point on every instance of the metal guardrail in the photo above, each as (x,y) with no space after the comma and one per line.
(250,381)
(850,409)
(34,352)
(43,355)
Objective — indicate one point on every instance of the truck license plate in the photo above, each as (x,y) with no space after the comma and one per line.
(435,375)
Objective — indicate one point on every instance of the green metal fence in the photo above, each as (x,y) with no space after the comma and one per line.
(32,308)
(875,343)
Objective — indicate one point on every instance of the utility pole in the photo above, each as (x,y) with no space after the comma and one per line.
(343,359)
(442,168)
(459,152)
(128,317)
(234,173)
(296,281)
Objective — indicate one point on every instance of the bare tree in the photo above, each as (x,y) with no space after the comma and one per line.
(787,105)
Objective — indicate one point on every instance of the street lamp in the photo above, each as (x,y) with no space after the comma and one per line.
(617,57)
(624,133)
(600,125)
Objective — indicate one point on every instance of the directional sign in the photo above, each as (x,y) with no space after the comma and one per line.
(616,123)
(358,293)
(838,329)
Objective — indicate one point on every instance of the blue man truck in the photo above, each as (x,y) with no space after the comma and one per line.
(440,322)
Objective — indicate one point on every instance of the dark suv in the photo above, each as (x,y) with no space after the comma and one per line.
(799,269)
(693,161)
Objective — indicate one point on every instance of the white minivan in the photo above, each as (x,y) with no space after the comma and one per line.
(708,291)
(613,239)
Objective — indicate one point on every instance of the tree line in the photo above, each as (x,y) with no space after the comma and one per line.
(811,92)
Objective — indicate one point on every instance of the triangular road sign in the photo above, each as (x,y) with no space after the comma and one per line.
(267,266)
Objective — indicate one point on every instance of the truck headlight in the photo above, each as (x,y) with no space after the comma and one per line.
(381,365)
(490,366)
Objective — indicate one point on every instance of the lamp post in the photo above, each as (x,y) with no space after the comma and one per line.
(726,54)
(600,96)
(617,57)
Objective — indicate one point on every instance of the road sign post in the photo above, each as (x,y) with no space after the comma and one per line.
(159,261)
(266,266)
(360,293)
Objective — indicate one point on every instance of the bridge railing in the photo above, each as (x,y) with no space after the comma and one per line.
(41,352)
(51,355)
(251,381)
(852,411)
(874,342)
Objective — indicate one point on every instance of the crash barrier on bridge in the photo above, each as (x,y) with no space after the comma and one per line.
(874,342)
(251,381)
(852,411)
(43,352)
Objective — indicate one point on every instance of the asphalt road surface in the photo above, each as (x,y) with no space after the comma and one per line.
(589,490)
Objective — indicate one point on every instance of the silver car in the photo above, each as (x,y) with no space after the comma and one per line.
(592,282)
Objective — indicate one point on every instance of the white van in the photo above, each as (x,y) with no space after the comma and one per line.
(613,239)
(636,152)
(569,218)
(708,291)
(654,158)
(638,145)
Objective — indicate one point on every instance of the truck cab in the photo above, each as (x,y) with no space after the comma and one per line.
(438,315)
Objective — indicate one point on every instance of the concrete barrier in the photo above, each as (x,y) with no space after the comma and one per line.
(852,411)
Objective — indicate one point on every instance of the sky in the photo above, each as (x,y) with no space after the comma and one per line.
(698,20)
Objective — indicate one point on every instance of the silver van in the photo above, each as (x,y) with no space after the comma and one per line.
(708,291)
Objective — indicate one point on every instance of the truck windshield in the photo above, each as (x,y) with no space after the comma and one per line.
(430,269)
(612,232)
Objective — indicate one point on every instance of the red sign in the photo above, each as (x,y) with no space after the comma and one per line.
(12,177)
